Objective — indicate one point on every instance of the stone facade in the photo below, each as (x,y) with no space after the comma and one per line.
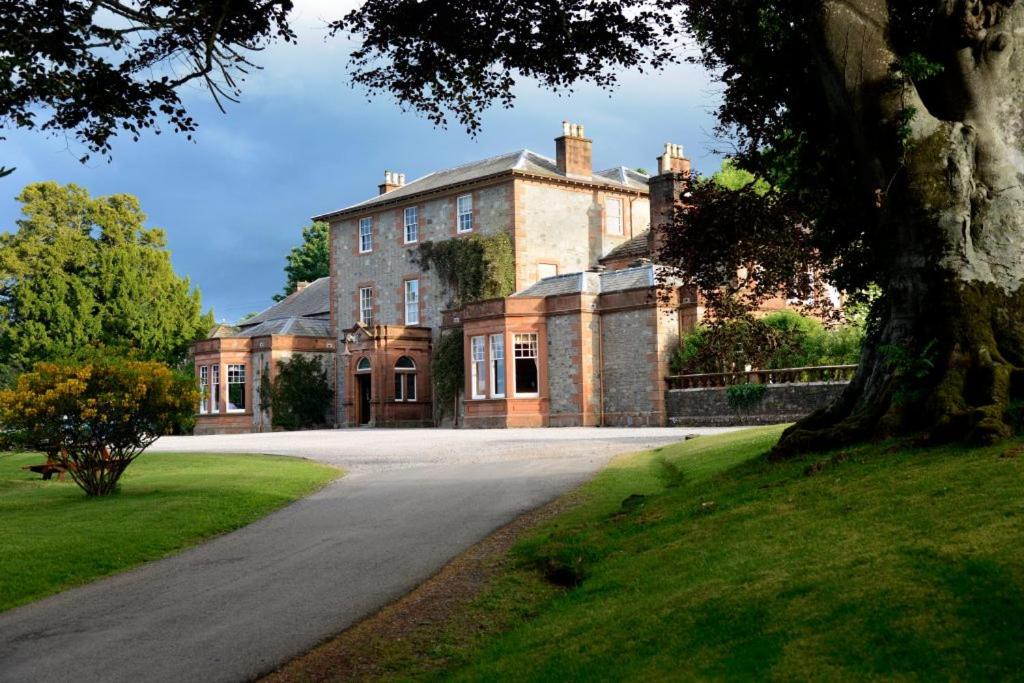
(781,403)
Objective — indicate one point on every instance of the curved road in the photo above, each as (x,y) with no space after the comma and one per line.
(243,603)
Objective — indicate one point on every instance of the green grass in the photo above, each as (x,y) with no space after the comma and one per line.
(53,537)
(883,562)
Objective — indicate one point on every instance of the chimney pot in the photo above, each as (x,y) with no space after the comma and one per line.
(392,180)
(566,128)
(300,285)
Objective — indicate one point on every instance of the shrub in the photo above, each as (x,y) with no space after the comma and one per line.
(745,396)
(784,339)
(96,417)
(301,394)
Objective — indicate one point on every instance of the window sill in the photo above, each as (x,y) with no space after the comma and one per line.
(526,395)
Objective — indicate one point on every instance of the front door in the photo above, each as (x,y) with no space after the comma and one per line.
(363,388)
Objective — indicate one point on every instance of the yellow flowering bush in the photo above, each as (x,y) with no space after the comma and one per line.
(94,418)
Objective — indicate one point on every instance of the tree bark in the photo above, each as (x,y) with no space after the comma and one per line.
(946,357)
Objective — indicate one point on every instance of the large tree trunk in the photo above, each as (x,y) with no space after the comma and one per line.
(946,357)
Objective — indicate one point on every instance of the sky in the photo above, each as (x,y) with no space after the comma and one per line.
(302,142)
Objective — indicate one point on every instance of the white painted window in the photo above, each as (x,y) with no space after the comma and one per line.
(412,302)
(204,389)
(412,224)
(497,366)
(405,379)
(546,270)
(613,216)
(215,388)
(479,367)
(366,305)
(236,388)
(365,235)
(527,380)
(465,213)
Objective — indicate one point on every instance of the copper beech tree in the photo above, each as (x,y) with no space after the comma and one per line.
(94,418)
(892,132)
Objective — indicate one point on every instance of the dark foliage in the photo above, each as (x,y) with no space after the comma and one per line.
(301,394)
(442,57)
(96,68)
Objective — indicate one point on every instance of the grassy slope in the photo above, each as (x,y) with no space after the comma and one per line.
(53,537)
(895,563)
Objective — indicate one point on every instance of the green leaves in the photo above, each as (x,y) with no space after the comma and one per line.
(472,268)
(309,261)
(83,273)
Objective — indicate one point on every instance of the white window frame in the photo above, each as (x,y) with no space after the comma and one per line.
(214,389)
(619,226)
(365,235)
(233,369)
(412,224)
(464,213)
(204,389)
(366,305)
(478,365)
(517,353)
(497,349)
(404,378)
(412,302)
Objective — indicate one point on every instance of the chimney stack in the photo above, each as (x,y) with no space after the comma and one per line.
(672,160)
(666,189)
(573,151)
(300,285)
(392,181)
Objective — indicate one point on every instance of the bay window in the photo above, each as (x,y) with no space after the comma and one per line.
(236,388)
(204,389)
(478,369)
(527,373)
(497,366)
(215,388)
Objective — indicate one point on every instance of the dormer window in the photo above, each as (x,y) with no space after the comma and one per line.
(465,217)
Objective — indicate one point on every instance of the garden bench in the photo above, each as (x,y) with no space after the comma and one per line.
(48,469)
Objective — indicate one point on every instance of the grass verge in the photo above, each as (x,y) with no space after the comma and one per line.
(702,560)
(53,537)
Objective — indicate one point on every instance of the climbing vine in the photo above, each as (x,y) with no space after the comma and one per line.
(471,268)
(447,370)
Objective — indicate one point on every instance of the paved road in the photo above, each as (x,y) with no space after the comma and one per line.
(247,601)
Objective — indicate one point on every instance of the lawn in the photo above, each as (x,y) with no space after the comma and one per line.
(53,537)
(703,561)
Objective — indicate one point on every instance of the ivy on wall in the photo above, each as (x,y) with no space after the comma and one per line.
(471,268)
(448,372)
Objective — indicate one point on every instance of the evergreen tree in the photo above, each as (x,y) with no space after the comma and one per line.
(82,273)
(309,261)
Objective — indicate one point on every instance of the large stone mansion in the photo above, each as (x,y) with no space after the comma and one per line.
(584,340)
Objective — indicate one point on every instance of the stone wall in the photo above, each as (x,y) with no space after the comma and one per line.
(564,226)
(391,261)
(781,403)
(630,354)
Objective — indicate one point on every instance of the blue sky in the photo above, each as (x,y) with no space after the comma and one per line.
(302,142)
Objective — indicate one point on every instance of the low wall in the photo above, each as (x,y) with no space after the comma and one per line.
(781,403)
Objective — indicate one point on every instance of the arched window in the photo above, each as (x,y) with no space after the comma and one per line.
(405,379)
(363,365)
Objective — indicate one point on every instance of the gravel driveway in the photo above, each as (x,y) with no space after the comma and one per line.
(247,601)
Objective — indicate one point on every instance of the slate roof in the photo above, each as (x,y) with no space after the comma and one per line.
(636,247)
(298,327)
(314,301)
(523,161)
(593,283)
